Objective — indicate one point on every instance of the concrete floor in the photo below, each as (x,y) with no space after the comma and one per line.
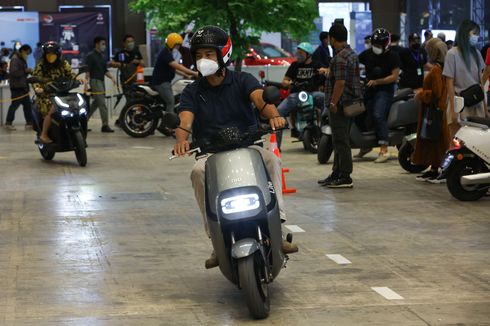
(120,242)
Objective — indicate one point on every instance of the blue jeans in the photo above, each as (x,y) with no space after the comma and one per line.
(291,103)
(379,104)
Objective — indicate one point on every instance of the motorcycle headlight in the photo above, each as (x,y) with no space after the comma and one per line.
(60,102)
(241,203)
(81,101)
(65,113)
(82,111)
(303,96)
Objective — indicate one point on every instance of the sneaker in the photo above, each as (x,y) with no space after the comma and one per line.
(382,158)
(362,152)
(327,180)
(106,129)
(28,127)
(10,128)
(288,247)
(212,261)
(427,175)
(437,179)
(342,182)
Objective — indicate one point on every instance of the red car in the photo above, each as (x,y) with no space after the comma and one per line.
(267,54)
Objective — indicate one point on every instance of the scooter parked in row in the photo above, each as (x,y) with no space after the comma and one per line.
(143,112)
(466,166)
(69,121)
(242,212)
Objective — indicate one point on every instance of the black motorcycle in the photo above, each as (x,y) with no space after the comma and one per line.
(69,121)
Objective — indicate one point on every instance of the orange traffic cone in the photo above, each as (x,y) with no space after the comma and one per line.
(275,149)
(140,75)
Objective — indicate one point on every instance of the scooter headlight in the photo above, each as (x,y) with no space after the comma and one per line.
(241,203)
(303,96)
(60,102)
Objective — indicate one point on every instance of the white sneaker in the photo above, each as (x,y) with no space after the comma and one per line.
(10,127)
(382,158)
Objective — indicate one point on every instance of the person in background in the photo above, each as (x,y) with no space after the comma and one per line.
(486,46)
(164,70)
(450,44)
(322,52)
(462,69)
(382,70)
(413,59)
(50,67)
(486,75)
(19,88)
(431,153)
(97,71)
(343,85)
(395,43)
(38,52)
(127,61)
(441,36)
(367,42)
(185,51)
(4,71)
(4,55)
(427,36)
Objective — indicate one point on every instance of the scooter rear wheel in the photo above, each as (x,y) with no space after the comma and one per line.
(80,151)
(254,287)
(325,149)
(405,159)
(137,119)
(462,168)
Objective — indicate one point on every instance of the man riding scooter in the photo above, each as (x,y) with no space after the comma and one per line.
(222,98)
(300,76)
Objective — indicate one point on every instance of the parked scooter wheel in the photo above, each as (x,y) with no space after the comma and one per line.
(461,168)
(252,282)
(45,152)
(137,119)
(405,159)
(80,151)
(311,139)
(325,149)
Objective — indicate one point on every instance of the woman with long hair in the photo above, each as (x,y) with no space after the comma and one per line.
(463,68)
(433,97)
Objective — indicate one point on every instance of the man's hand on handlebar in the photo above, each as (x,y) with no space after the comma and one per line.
(39,90)
(277,123)
(181,148)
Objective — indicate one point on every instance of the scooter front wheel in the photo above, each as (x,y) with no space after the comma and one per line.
(45,152)
(460,169)
(137,119)
(405,159)
(254,286)
(80,151)
(311,140)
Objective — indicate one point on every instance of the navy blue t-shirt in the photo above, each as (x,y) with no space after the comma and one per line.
(223,106)
(162,72)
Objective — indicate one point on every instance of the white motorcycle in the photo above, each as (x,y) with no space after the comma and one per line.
(466,164)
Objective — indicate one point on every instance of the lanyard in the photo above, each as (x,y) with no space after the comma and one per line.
(416,58)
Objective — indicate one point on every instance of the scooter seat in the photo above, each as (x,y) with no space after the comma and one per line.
(482,121)
(402,94)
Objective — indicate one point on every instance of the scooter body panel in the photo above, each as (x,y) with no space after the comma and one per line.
(477,140)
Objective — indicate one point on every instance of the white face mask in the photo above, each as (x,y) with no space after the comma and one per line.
(377,50)
(473,40)
(207,67)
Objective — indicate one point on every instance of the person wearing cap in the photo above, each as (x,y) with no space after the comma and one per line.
(413,60)
(164,70)
(322,52)
(222,98)
(300,76)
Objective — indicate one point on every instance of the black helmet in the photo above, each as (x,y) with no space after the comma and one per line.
(51,47)
(215,38)
(381,37)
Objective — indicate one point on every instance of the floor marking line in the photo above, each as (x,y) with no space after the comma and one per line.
(387,293)
(294,228)
(339,259)
(142,147)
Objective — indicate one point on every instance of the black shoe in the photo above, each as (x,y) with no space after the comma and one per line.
(294,133)
(117,123)
(327,180)
(427,175)
(106,129)
(342,182)
(89,129)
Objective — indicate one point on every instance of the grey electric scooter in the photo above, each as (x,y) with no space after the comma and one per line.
(242,211)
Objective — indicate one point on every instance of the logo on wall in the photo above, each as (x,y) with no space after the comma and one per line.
(47,19)
(100,19)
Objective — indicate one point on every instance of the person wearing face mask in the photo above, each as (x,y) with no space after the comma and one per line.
(97,71)
(127,60)
(50,67)
(19,87)
(300,76)
(164,70)
(413,60)
(463,68)
(382,70)
(222,98)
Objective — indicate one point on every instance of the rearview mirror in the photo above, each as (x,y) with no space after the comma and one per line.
(271,95)
(171,120)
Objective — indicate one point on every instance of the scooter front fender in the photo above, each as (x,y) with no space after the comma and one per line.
(412,138)
(244,248)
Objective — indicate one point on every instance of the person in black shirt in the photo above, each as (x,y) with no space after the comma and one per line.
(164,70)
(413,60)
(127,60)
(382,70)
(395,43)
(222,98)
(322,52)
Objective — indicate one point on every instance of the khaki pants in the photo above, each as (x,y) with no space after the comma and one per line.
(98,87)
(272,164)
